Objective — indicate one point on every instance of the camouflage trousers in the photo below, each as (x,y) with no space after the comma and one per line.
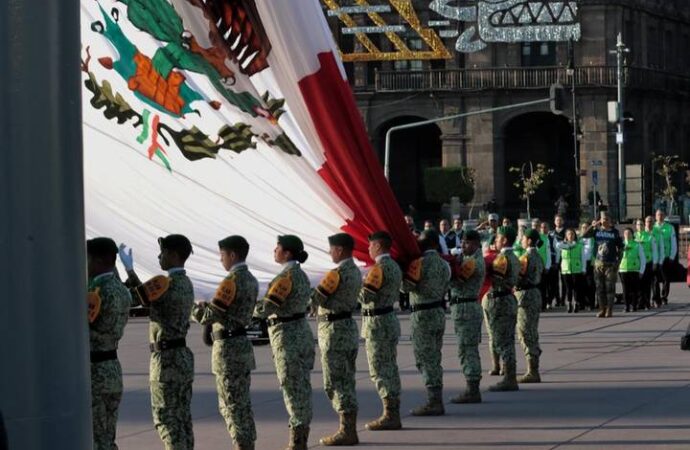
(501,317)
(381,334)
(106,393)
(605,277)
(467,318)
(427,328)
(339,344)
(529,308)
(293,355)
(172,416)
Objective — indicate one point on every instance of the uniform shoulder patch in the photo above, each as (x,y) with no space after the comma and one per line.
(151,290)
(500,265)
(414,271)
(93,301)
(329,283)
(225,294)
(374,279)
(467,268)
(279,290)
(524,263)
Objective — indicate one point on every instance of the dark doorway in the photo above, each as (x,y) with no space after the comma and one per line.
(412,151)
(544,138)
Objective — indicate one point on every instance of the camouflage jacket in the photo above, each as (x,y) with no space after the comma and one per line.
(382,284)
(504,272)
(109,303)
(531,269)
(233,303)
(338,290)
(287,295)
(470,278)
(427,278)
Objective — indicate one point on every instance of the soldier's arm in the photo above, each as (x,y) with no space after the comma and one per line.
(275,297)
(203,314)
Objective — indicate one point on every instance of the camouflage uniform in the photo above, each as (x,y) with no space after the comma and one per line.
(339,340)
(292,342)
(500,308)
(232,359)
(427,282)
(467,316)
(172,369)
(381,290)
(106,327)
(529,306)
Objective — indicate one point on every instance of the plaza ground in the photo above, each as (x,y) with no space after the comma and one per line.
(619,383)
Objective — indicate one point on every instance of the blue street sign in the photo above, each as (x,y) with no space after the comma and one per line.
(595,177)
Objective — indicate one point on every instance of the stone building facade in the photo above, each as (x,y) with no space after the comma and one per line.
(583,152)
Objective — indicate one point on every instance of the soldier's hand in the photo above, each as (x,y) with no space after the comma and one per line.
(126,257)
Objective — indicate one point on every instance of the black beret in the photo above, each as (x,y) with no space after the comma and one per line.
(101,246)
(291,243)
(177,243)
(429,235)
(471,235)
(234,243)
(342,240)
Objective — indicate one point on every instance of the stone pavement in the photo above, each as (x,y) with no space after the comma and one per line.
(619,383)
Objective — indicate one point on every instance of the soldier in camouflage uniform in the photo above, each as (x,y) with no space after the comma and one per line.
(285,305)
(381,329)
(427,281)
(466,313)
(336,298)
(500,306)
(108,301)
(170,300)
(529,301)
(232,359)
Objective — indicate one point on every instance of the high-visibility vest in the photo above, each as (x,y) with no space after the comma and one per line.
(665,233)
(544,249)
(631,257)
(645,240)
(571,259)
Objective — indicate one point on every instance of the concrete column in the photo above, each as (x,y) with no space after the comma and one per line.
(44,380)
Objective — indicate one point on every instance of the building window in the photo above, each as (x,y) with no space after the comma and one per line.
(413,44)
(538,54)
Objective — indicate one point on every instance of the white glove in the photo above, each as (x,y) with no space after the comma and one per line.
(126,257)
(455,251)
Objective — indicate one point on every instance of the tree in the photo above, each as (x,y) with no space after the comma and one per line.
(667,166)
(529,180)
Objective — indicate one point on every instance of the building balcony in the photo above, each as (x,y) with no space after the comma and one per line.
(526,78)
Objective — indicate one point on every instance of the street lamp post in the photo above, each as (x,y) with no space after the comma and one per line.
(620,52)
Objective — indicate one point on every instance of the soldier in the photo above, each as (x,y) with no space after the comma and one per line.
(466,313)
(427,281)
(529,301)
(666,237)
(500,307)
(108,302)
(232,360)
(381,329)
(336,299)
(170,300)
(292,341)
(608,247)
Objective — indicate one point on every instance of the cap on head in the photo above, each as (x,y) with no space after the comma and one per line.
(343,240)
(383,237)
(101,247)
(534,236)
(176,243)
(494,217)
(509,233)
(471,235)
(236,244)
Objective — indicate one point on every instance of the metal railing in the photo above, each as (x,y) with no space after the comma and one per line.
(524,78)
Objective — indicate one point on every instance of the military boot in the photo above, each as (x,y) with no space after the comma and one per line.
(390,419)
(602,312)
(532,375)
(298,438)
(471,394)
(509,382)
(434,404)
(495,368)
(609,312)
(346,434)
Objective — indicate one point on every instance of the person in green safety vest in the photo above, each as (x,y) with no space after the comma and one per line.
(545,255)
(631,269)
(666,235)
(574,254)
(589,288)
(646,237)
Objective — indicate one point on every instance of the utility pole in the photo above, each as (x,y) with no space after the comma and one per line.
(571,72)
(620,52)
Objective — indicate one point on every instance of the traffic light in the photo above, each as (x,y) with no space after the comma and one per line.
(557,96)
